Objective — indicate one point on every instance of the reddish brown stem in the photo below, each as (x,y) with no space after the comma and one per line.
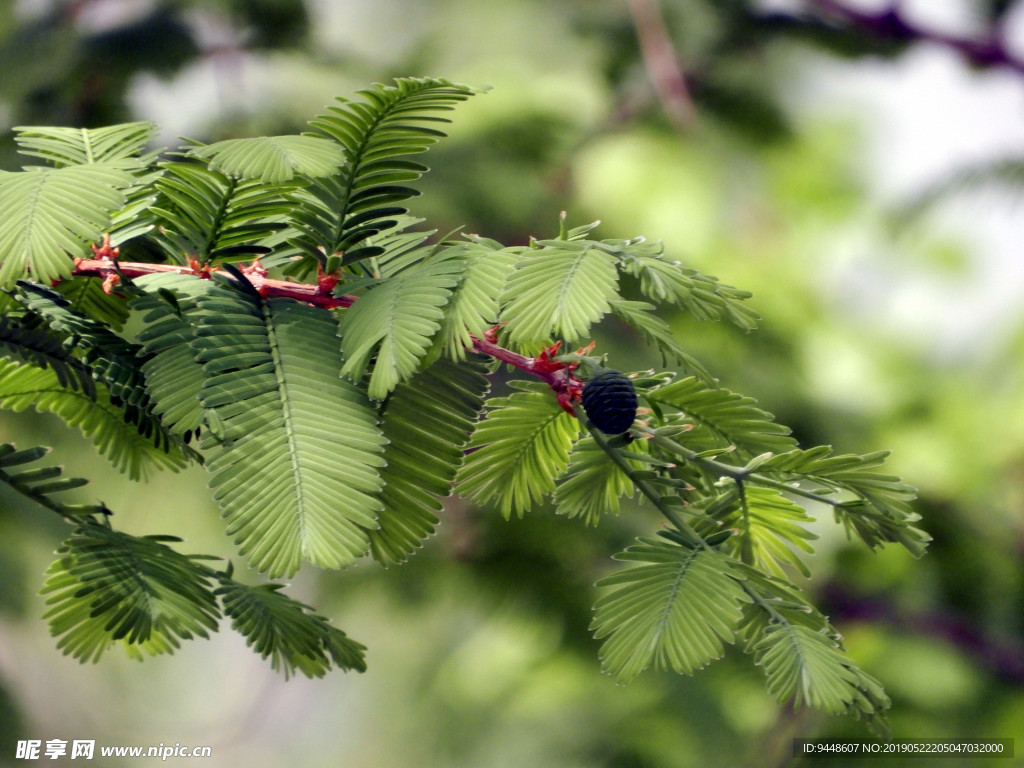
(310,294)
(662,63)
(558,379)
(556,375)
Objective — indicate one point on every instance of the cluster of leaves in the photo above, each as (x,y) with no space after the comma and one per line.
(332,419)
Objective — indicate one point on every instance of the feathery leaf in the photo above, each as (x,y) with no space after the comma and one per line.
(338,214)
(427,422)
(723,419)
(27,339)
(395,322)
(286,631)
(40,483)
(593,483)
(675,611)
(173,376)
(51,216)
(558,291)
(272,159)
(118,145)
(210,216)
(768,528)
(518,450)
(664,280)
(109,586)
(474,304)
(640,316)
(807,668)
(25,386)
(880,508)
(296,469)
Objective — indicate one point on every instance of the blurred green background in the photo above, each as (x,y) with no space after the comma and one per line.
(863,178)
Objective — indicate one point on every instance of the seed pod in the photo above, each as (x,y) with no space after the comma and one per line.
(610,402)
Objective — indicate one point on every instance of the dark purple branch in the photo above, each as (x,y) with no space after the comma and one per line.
(1001,656)
(987,51)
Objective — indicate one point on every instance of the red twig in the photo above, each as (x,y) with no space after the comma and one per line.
(310,294)
(555,374)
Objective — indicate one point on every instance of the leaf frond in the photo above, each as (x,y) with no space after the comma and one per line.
(168,309)
(676,610)
(723,419)
(594,483)
(40,483)
(808,668)
(119,145)
(108,586)
(427,422)
(768,528)
(272,159)
(518,450)
(377,133)
(87,297)
(51,215)
(877,507)
(286,631)
(214,217)
(297,460)
(665,280)
(33,343)
(96,416)
(558,291)
(394,323)
(640,316)
(475,302)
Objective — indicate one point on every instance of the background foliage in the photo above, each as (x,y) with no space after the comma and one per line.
(481,640)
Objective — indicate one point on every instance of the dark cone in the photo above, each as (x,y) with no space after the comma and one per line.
(610,402)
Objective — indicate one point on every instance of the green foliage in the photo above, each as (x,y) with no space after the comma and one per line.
(640,316)
(334,417)
(167,304)
(877,507)
(273,159)
(722,419)
(98,416)
(427,422)
(594,483)
(51,213)
(108,586)
(558,290)
(518,450)
(675,611)
(40,483)
(118,145)
(769,528)
(111,359)
(395,321)
(663,280)
(287,631)
(295,449)
(27,340)
(808,667)
(475,302)
(377,134)
(207,215)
